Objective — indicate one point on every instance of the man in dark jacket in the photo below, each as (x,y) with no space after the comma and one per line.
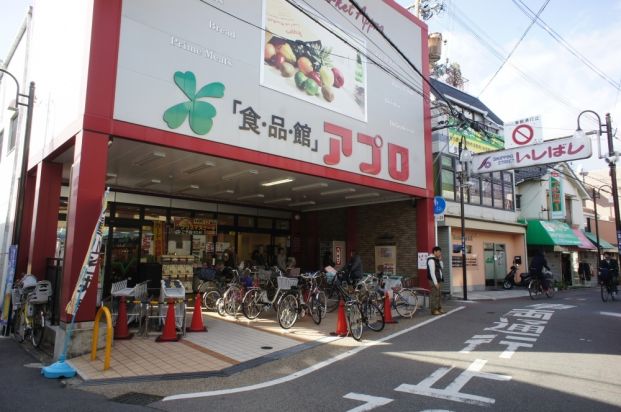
(609,269)
(536,268)
(434,274)
(354,268)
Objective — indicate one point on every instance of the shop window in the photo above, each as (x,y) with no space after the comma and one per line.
(204,215)
(12,133)
(180,213)
(264,223)
(518,202)
(127,212)
(226,220)
(497,190)
(282,224)
(507,179)
(447,162)
(475,190)
(180,233)
(246,221)
(155,213)
(448,184)
(486,190)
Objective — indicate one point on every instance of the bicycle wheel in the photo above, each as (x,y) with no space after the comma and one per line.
(550,292)
(332,298)
(220,307)
(232,300)
(38,328)
(318,307)
(405,302)
(354,320)
(210,298)
(373,316)
(287,312)
(19,325)
(604,291)
(251,304)
(534,288)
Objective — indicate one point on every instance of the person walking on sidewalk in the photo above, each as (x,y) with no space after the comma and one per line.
(434,274)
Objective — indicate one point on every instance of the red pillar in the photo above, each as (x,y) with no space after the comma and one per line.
(425,233)
(45,217)
(87,187)
(22,265)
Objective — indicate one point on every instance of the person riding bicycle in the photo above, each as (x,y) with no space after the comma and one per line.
(536,267)
(609,270)
(354,268)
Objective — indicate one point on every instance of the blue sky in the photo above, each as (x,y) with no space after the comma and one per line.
(553,83)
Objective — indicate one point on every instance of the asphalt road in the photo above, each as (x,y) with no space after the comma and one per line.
(553,354)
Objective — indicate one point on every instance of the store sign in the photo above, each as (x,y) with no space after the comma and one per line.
(523,132)
(476,142)
(294,90)
(189,226)
(551,151)
(557,209)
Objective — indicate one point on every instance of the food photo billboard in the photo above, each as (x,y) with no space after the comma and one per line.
(313,83)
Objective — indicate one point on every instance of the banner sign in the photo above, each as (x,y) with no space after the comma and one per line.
(476,142)
(557,209)
(523,132)
(551,151)
(9,284)
(90,262)
(195,226)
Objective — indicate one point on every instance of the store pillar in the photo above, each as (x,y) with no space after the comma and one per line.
(22,265)
(87,186)
(425,236)
(45,217)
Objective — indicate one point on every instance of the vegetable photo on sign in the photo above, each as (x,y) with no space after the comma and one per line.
(308,62)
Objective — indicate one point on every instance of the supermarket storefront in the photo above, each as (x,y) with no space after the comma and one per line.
(212,132)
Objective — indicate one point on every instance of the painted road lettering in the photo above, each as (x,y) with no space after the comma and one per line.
(371,402)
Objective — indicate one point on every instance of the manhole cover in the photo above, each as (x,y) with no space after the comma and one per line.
(136,398)
(266,347)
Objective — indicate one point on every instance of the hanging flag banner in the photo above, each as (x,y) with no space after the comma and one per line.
(523,132)
(9,285)
(90,262)
(557,209)
(550,151)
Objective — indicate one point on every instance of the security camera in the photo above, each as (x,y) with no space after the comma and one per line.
(612,159)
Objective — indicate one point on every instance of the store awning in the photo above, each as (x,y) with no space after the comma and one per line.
(585,243)
(550,233)
(602,243)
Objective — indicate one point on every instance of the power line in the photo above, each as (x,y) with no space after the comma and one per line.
(514,48)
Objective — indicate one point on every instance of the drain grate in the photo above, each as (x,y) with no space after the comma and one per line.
(136,398)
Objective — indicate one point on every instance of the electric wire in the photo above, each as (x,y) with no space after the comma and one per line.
(541,9)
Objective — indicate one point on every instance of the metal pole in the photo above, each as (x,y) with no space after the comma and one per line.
(599,248)
(19,208)
(613,178)
(463,235)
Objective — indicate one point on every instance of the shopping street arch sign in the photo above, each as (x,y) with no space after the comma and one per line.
(551,151)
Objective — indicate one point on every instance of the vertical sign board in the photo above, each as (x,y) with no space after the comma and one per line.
(9,284)
(557,207)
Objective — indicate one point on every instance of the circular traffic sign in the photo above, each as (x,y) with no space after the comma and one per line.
(439,205)
(522,134)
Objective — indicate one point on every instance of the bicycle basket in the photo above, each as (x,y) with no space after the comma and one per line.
(392,282)
(285,283)
(42,292)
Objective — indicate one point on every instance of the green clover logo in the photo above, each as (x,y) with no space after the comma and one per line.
(201,113)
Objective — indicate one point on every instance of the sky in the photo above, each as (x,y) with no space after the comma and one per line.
(541,78)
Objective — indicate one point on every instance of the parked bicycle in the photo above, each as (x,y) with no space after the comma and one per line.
(265,296)
(231,300)
(607,289)
(404,300)
(302,299)
(536,286)
(30,304)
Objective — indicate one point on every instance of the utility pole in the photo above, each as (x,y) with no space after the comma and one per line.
(612,162)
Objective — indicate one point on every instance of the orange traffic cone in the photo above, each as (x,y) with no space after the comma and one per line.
(120,330)
(169,334)
(388,309)
(341,324)
(197,317)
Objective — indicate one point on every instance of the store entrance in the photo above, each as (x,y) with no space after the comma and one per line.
(124,255)
(495,263)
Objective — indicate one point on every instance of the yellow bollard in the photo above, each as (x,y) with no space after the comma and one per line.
(109,335)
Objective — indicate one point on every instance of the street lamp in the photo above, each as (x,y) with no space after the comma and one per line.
(465,158)
(611,159)
(19,207)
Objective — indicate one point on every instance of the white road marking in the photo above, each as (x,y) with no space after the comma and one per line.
(308,370)
(372,402)
(617,315)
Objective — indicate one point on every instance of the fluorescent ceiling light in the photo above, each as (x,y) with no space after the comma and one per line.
(305,203)
(149,158)
(149,182)
(224,192)
(278,182)
(255,196)
(240,173)
(199,167)
(188,188)
(282,199)
(363,195)
(338,191)
(309,187)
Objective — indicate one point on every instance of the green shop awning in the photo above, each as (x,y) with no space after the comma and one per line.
(602,243)
(550,233)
